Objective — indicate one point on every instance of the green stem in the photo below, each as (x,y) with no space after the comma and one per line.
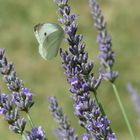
(23,137)
(99,104)
(30,120)
(123,112)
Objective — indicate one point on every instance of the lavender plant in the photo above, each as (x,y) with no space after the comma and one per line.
(21,100)
(106,55)
(82,81)
(21,96)
(85,108)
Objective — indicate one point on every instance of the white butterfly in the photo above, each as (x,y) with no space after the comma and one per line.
(49,37)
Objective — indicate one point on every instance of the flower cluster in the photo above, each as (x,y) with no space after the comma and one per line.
(104,40)
(82,81)
(64,129)
(14,84)
(75,61)
(98,125)
(21,96)
(20,99)
(36,134)
(11,114)
(23,99)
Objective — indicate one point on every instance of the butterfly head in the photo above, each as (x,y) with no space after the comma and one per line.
(40,33)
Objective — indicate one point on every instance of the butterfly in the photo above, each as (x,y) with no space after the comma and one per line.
(49,37)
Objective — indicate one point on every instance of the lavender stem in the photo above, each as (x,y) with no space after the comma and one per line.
(23,137)
(123,111)
(30,120)
(99,104)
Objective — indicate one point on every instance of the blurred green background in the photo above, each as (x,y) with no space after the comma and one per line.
(45,78)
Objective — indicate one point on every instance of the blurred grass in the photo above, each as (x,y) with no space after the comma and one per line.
(45,78)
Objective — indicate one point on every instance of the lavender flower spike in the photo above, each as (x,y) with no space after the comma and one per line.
(11,114)
(135,97)
(21,96)
(21,100)
(82,81)
(106,55)
(64,129)
(104,40)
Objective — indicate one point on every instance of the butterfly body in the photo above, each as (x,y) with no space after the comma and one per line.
(49,37)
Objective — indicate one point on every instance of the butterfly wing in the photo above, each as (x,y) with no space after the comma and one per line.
(49,37)
(40,33)
(53,43)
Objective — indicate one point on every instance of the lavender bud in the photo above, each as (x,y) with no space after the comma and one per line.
(111,137)
(23,99)
(7,109)
(18,126)
(86,137)
(36,134)
(3,99)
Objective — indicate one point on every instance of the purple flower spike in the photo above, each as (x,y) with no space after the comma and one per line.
(21,96)
(36,134)
(104,40)
(78,71)
(9,75)
(11,114)
(64,129)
